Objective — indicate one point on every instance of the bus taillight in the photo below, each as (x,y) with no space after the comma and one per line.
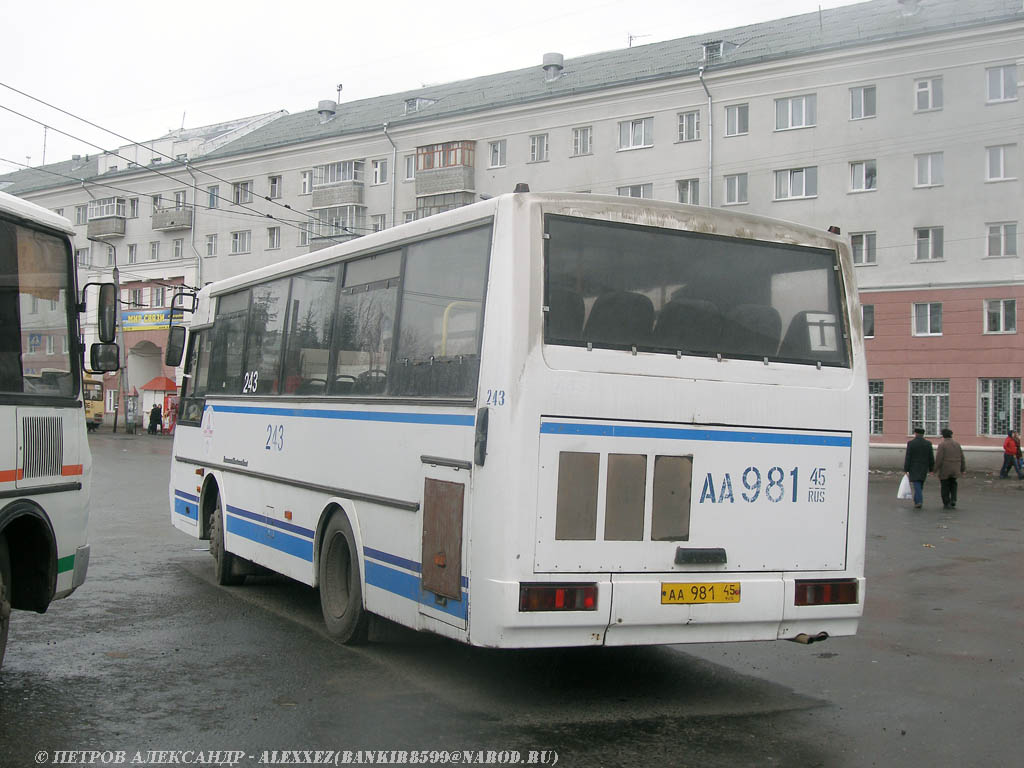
(822,592)
(557,597)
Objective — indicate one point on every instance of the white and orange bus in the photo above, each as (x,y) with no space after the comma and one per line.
(45,463)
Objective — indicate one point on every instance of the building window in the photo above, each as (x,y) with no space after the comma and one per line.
(796,112)
(179,200)
(928,319)
(1002,83)
(133,253)
(929,243)
(929,169)
(336,173)
(796,182)
(645,191)
(81,214)
(634,134)
(213,196)
(338,221)
(863,246)
(157,201)
(408,216)
(737,120)
(111,397)
(863,176)
(107,206)
(211,245)
(274,182)
(379,222)
(179,248)
(999,404)
(241,192)
(689,191)
(876,407)
(1001,316)
(273,238)
(135,297)
(410,167)
(49,344)
(999,162)
(241,242)
(1002,239)
(496,153)
(380,171)
(157,296)
(304,230)
(154,250)
(539,148)
(582,139)
(689,126)
(451,154)
(862,102)
(867,316)
(306,184)
(736,189)
(82,257)
(929,405)
(110,255)
(133,207)
(928,94)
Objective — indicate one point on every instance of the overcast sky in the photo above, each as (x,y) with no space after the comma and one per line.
(143,69)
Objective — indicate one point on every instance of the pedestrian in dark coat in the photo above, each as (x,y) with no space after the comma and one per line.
(917,463)
(950,463)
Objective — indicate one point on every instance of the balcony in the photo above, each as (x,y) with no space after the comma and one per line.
(338,193)
(171,219)
(105,228)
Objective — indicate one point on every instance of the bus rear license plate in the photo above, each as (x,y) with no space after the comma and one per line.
(689,594)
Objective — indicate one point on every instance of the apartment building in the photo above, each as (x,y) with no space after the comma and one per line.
(897,121)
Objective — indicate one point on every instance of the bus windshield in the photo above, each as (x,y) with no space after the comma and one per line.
(35,339)
(621,286)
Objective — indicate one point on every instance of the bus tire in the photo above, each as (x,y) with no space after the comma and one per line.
(225,569)
(5,595)
(341,594)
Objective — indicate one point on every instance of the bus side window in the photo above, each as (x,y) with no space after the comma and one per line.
(441,316)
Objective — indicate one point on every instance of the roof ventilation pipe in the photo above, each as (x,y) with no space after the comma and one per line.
(326,108)
(908,7)
(553,66)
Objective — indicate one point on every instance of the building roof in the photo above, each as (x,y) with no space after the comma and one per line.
(874,22)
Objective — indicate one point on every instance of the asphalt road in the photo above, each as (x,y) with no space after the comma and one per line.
(149,655)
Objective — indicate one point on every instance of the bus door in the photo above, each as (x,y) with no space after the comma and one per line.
(49,450)
(444,586)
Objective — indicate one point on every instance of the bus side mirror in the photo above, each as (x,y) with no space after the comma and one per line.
(104,358)
(106,316)
(175,346)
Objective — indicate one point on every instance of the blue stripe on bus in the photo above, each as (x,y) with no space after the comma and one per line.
(186,496)
(401,562)
(282,542)
(409,586)
(681,433)
(441,419)
(186,509)
(284,526)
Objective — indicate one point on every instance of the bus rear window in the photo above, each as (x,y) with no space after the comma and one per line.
(618,286)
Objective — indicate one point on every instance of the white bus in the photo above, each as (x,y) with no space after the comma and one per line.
(44,455)
(541,420)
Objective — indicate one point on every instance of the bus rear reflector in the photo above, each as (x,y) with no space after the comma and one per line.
(822,592)
(557,597)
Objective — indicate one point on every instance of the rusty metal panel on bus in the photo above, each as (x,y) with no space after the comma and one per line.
(442,537)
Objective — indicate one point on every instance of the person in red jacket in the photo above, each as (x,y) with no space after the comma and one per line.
(1010,448)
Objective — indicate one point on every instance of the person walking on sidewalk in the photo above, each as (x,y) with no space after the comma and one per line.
(917,463)
(1010,448)
(950,463)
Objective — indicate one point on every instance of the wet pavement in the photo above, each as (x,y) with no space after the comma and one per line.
(150,655)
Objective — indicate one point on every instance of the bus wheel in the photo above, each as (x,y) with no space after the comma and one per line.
(5,596)
(225,566)
(341,596)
